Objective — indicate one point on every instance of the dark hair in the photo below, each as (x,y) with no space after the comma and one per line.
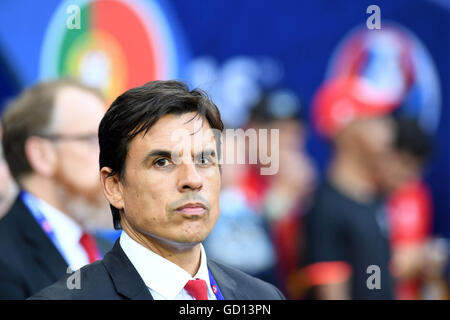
(137,110)
(412,139)
(30,114)
(280,104)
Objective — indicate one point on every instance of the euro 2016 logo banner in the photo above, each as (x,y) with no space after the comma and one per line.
(111,45)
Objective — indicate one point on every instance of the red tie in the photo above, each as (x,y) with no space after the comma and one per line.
(90,246)
(197,289)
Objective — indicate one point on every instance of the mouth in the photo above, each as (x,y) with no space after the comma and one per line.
(192,209)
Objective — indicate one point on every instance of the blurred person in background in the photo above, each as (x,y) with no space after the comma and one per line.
(409,205)
(417,259)
(345,228)
(260,212)
(240,237)
(8,188)
(51,146)
(286,192)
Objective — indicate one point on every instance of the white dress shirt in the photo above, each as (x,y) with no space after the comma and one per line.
(67,231)
(164,279)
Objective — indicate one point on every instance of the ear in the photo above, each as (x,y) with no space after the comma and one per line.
(112,188)
(41,156)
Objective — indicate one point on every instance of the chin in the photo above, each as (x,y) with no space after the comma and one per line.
(177,239)
(192,238)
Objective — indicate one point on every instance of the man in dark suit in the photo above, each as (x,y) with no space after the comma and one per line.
(159,159)
(50,145)
(115,278)
(8,189)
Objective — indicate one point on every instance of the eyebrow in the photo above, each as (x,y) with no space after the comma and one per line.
(168,154)
(210,152)
(157,153)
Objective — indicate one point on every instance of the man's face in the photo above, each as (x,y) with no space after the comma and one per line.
(400,168)
(156,187)
(78,113)
(7,187)
(377,136)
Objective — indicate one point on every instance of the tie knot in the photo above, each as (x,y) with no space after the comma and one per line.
(197,289)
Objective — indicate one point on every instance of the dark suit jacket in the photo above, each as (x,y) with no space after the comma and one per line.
(115,278)
(29,261)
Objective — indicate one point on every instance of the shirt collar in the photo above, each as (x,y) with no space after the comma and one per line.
(66,230)
(158,273)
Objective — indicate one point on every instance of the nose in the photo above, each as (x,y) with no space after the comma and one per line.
(189,178)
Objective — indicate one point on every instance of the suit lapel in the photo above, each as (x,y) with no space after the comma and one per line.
(227,284)
(126,279)
(42,249)
(129,283)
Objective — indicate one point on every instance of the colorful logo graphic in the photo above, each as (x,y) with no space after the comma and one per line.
(116,45)
(392,68)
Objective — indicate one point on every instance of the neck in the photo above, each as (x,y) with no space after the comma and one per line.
(350,175)
(47,190)
(186,256)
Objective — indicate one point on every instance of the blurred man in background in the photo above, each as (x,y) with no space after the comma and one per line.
(286,192)
(241,238)
(409,206)
(416,261)
(51,146)
(8,189)
(346,231)
(258,227)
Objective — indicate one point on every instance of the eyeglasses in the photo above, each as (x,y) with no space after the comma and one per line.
(90,138)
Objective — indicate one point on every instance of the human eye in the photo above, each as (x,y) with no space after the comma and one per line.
(205,159)
(162,163)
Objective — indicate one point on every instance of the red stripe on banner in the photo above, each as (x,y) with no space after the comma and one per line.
(125,26)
